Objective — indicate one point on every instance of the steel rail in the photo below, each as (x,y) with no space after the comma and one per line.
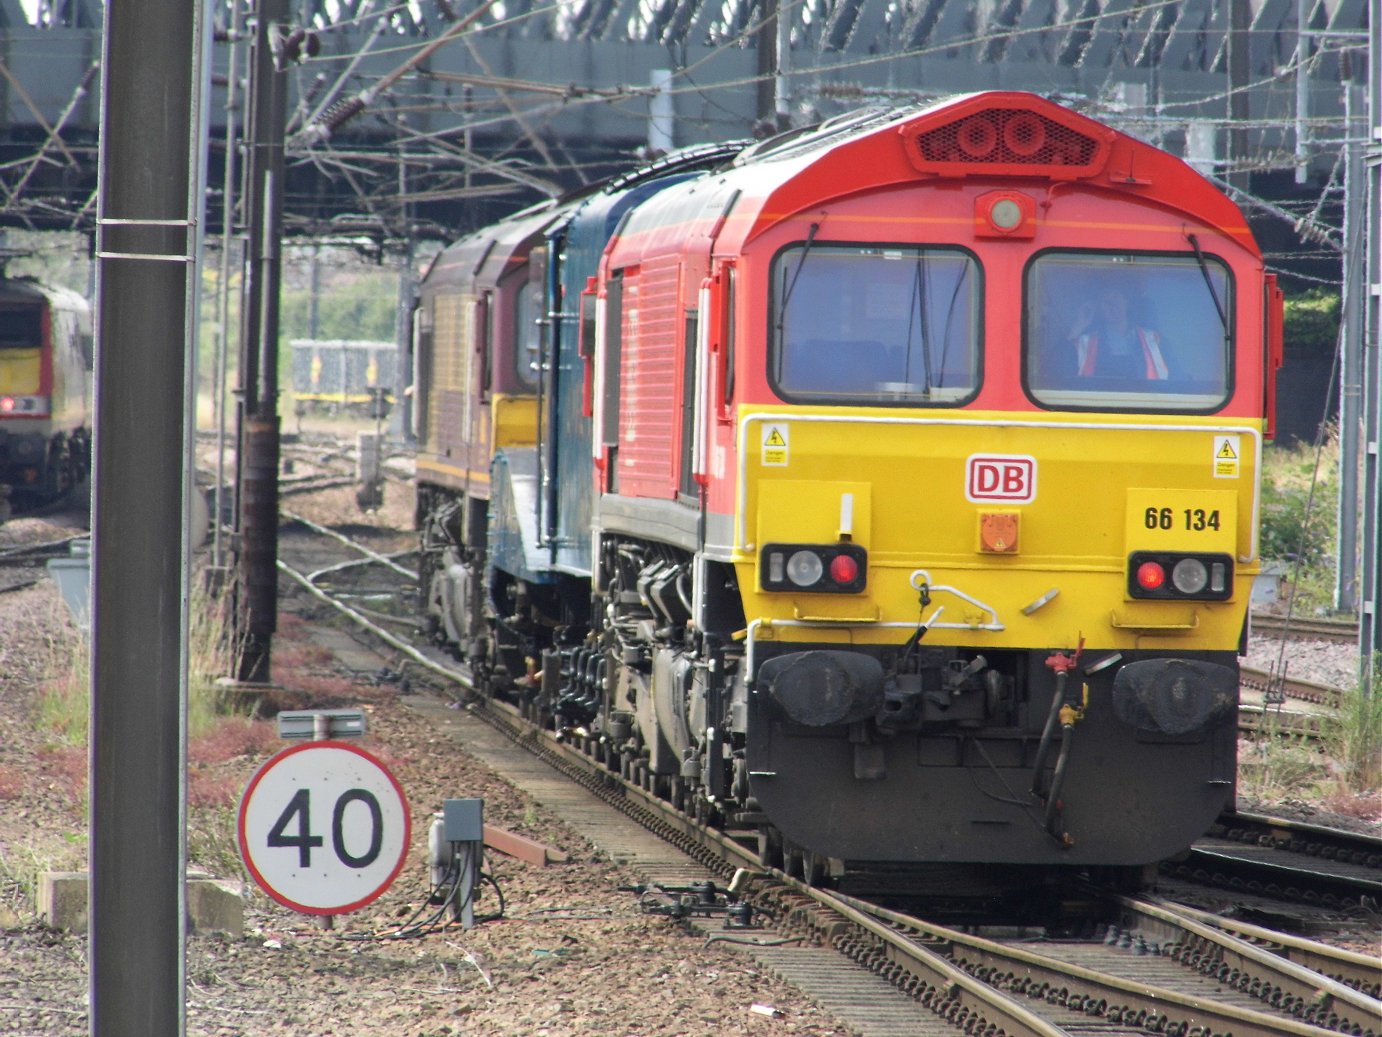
(937,983)
(1291,687)
(1157,1009)
(450,673)
(1354,970)
(1340,630)
(1284,879)
(1304,837)
(354,545)
(1267,720)
(1198,944)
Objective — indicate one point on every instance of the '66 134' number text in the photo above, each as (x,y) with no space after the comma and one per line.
(1194,519)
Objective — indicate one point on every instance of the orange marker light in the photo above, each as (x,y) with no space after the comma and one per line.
(1150,575)
(998,532)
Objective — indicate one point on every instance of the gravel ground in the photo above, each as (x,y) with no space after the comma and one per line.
(1325,662)
(572,954)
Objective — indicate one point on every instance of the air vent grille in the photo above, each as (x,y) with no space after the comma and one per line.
(1008,137)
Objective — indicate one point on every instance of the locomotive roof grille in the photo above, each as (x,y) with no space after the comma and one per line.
(1006,137)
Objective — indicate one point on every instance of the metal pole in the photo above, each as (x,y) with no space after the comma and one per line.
(1239,109)
(1302,91)
(1351,360)
(223,295)
(765,51)
(401,420)
(257,586)
(1370,625)
(782,100)
(146,251)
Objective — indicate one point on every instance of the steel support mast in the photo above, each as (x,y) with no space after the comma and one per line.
(257,579)
(1370,618)
(146,252)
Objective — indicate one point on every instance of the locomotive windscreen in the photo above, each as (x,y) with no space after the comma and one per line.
(21,327)
(886,324)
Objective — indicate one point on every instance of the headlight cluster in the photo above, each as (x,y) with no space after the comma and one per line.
(1180,575)
(820,568)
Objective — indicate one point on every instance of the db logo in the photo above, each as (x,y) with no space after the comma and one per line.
(1010,478)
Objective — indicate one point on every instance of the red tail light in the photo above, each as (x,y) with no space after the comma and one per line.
(844,569)
(1150,576)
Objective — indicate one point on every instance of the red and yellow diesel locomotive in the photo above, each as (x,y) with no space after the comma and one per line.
(45,393)
(890,488)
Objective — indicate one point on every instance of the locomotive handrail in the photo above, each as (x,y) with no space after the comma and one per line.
(935,623)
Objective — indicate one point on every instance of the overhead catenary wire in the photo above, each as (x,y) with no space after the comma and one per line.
(387,30)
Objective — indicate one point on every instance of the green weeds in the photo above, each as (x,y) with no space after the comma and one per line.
(1300,490)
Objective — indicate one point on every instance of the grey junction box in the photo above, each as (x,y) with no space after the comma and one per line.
(463,820)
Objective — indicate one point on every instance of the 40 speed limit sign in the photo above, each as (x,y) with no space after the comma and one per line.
(324,828)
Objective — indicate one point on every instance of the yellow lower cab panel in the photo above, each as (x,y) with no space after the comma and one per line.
(19,372)
(998,529)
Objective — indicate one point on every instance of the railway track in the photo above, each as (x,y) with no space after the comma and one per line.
(1288,860)
(1289,688)
(1342,631)
(1156,968)
(1208,980)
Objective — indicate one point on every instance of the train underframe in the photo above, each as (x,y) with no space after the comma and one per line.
(844,760)
(41,467)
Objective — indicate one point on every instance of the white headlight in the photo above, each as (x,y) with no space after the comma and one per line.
(1190,576)
(805,568)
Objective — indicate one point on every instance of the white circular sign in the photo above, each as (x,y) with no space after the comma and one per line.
(324,828)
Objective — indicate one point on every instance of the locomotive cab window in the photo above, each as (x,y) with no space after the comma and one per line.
(527,335)
(21,327)
(875,324)
(1106,331)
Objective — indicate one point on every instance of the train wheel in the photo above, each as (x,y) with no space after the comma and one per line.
(703,810)
(676,793)
(814,868)
(793,861)
(769,846)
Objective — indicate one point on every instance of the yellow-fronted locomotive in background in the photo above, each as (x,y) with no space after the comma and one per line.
(45,393)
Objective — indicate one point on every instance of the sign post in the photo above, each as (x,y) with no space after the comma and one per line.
(324,828)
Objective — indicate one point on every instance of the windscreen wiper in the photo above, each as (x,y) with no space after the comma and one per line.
(787,295)
(919,309)
(1209,282)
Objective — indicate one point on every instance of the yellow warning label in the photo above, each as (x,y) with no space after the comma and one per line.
(1226,457)
(776,448)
